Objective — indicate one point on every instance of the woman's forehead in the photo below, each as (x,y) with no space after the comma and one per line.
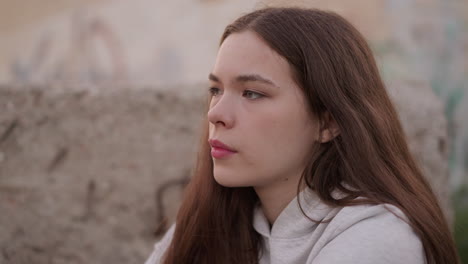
(245,55)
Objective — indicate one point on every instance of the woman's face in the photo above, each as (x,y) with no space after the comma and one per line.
(259,111)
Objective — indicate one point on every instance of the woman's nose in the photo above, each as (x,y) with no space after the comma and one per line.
(221,113)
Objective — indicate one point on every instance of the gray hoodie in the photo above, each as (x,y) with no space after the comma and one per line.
(363,234)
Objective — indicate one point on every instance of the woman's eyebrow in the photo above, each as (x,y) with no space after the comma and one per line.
(213,78)
(246,78)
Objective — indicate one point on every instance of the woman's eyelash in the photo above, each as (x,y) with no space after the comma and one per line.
(258,95)
(213,90)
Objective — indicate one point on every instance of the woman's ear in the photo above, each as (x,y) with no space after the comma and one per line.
(329,128)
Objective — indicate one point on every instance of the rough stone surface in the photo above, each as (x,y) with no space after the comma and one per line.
(80,169)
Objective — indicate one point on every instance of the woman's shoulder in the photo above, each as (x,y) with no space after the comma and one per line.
(374,233)
(161,246)
(374,213)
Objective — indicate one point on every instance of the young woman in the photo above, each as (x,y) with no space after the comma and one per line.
(303,159)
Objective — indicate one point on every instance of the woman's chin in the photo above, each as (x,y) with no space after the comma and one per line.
(229,181)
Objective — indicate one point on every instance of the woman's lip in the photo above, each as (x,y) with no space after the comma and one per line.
(221,153)
(218,144)
(220,150)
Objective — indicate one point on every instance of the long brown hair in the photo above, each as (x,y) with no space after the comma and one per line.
(334,66)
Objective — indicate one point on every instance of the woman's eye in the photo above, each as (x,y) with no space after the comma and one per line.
(213,91)
(252,94)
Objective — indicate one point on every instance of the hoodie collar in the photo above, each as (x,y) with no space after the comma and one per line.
(292,223)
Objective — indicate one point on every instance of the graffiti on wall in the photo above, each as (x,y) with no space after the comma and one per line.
(432,48)
(79,62)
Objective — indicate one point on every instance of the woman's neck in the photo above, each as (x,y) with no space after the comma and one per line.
(275,197)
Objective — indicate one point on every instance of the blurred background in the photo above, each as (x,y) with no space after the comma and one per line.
(101,103)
